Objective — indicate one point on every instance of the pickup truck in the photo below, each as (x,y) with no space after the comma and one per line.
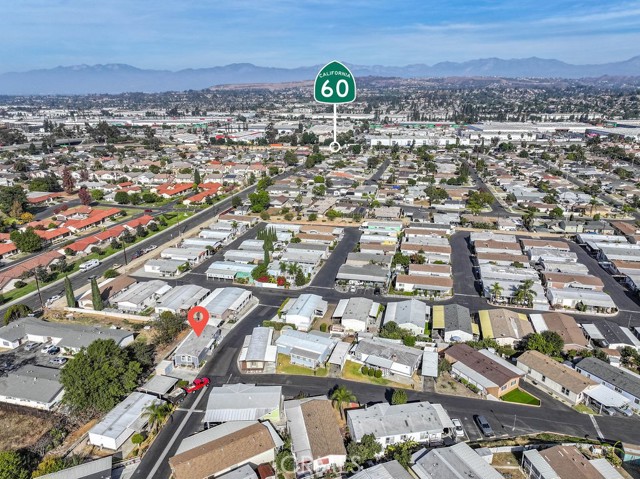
(197,384)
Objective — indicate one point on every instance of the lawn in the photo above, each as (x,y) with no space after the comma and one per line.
(583,409)
(285,367)
(521,397)
(351,371)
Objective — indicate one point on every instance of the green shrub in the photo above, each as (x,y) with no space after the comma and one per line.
(371,372)
(323,327)
(137,438)
(364,370)
(378,373)
(20,284)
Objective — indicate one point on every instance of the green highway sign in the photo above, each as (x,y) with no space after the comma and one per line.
(334,84)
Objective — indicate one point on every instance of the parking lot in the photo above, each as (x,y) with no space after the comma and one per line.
(13,359)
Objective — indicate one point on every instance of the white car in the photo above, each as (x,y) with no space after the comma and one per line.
(53,298)
(45,349)
(458,427)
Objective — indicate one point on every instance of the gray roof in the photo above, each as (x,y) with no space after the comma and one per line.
(384,420)
(183,297)
(98,469)
(125,416)
(457,318)
(32,383)
(357,308)
(223,299)
(315,343)
(259,341)
(619,377)
(243,472)
(612,332)
(368,272)
(165,265)
(242,402)
(387,470)
(70,335)
(141,292)
(452,462)
(193,345)
(159,384)
(305,305)
(389,351)
(411,311)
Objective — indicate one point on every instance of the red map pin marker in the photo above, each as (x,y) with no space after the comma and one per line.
(198,318)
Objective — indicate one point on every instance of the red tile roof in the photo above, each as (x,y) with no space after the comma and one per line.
(173,189)
(52,234)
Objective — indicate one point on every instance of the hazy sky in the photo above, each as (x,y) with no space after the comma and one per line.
(176,34)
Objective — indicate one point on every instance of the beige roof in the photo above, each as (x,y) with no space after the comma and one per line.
(543,243)
(555,371)
(430,268)
(322,429)
(520,258)
(426,248)
(219,455)
(567,328)
(508,324)
(574,278)
(497,245)
(568,462)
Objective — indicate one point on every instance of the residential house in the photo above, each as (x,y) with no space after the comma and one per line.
(619,379)
(565,462)
(431,285)
(386,470)
(316,441)
(554,377)
(563,324)
(358,314)
(452,322)
(392,358)
(258,351)
(303,310)
(244,402)
(194,349)
(140,296)
(32,386)
(422,422)
(181,299)
(305,349)
(411,314)
(506,327)
(108,289)
(216,451)
(489,373)
(455,461)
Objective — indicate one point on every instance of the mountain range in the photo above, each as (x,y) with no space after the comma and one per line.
(119,78)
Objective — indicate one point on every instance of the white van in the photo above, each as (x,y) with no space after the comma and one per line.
(94,263)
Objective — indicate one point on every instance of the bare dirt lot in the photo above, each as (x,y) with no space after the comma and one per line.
(22,428)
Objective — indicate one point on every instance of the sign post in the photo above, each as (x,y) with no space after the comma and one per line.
(334,84)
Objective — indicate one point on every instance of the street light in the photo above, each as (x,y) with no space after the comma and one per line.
(39,293)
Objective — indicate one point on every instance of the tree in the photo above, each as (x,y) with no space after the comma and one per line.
(524,293)
(402,452)
(548,343)
(68,183)
(259,201)
(300,279)
(290,157)
(496,291)
(13,465)
(236,201)
(122,197)
(528,219)
(68,290)
(53,464)
(48,183)
(196,177)
(399,396)
(27,241)
(167,327)
(97,195)
(340,396)
(366,450)
(99,377)
(13,199)
(85,196)
(156,413)
(556,213)
(16,311)
(142,352)
(96,297)
(110,273)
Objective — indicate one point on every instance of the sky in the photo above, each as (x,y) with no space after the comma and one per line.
(178,34)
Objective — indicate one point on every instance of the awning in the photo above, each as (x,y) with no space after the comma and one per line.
(438,317)
(485,324)
(607,397)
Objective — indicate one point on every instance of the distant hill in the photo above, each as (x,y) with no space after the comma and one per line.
(118,78)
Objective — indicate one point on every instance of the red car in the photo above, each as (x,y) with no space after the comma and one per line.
(198,384)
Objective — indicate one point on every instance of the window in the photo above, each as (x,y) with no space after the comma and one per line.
(618,390)
(636,400)
(513,382)
(503,387)
(544,378)
(565,391)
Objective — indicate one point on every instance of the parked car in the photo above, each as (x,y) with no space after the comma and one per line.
(152,247)
(198,383)
(148,211)
(46,347)
(116,266)
(53,350)
(484,426)
(93,263)
(458,427)
(53,298)
(30,346)
(58,360)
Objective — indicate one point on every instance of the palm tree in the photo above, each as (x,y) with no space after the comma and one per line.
(340,396)
(496,291)
(593,202)
(283,267)
(527,219)
(234,225)
(156,413)
(525,294)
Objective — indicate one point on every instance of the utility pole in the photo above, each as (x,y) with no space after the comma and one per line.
(39,292)
(124,250)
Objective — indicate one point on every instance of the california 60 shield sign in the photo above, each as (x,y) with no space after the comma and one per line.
(334,84)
